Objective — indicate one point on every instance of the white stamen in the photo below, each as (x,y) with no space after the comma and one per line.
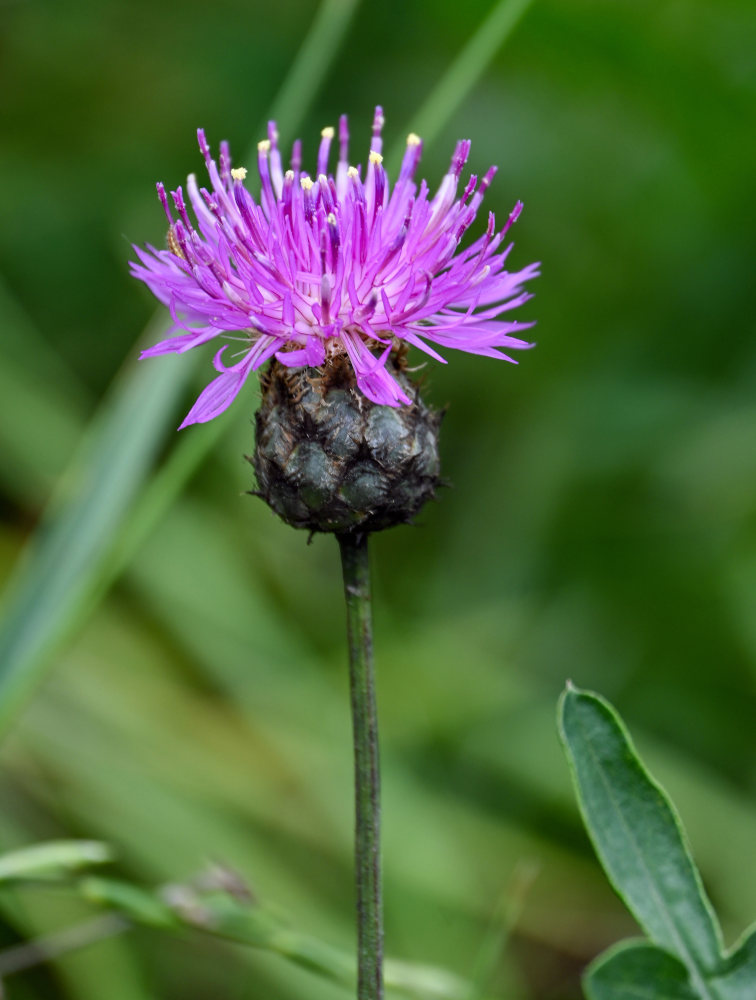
(306,183)
(376,158)
(413,139)
(239,173)
(353,172)
(480,277)
(263,146)
(328,132)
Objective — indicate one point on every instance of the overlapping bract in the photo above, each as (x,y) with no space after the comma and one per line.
(331,264)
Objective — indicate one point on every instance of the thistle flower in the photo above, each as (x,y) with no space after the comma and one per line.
(332,267)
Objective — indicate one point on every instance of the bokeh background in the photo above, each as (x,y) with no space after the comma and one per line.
(600,526)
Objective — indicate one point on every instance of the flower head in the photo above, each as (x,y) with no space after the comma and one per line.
(329,265)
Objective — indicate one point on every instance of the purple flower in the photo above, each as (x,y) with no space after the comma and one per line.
(332,264)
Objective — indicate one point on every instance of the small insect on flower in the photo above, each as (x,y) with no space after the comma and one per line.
(173,244)
(331,266)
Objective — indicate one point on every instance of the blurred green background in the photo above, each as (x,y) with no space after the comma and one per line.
(601,525)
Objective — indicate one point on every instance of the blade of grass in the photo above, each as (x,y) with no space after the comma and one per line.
(68,565)
(313,62)
(503,922)
(253,925)
(51,946)
(54,584)
(23,343)
(34,449)
(52,859)
(460,78)
(34,381)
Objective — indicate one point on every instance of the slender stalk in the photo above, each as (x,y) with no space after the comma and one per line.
(51,946)
(467,68)
(367,849)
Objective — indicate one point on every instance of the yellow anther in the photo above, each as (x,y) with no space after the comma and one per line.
(375,157)
(306,183)
(263,146)
(413,139)
(173,244)
(289,175)
(327,132)
(353,172)
(331,219)
(239,173)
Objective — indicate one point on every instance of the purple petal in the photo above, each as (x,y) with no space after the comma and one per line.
(312,355)
(218,396)
(350,262)
(180,344)
(222,391)
(372,378)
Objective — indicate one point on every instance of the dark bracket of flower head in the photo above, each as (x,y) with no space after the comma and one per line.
(641,845)
(329,460)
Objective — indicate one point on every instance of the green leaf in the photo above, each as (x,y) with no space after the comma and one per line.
(84,542)
(247,923)
(311,66)
(139,905)
(638,836)
(34,451)
(466,69)
(53,858)
(638,971)
(60,575)
(425,981)
(738,981)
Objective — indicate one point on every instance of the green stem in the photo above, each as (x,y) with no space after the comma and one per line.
(356,569)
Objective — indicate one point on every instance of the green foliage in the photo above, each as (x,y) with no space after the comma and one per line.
(87,542)
(601,523)
(243,921)
(640,843)
(52,859)
(64,566)
(634,971)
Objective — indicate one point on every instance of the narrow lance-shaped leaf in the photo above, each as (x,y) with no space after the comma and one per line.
(61,569)
(56,857)
(248,923)
(34,450)
(638,836)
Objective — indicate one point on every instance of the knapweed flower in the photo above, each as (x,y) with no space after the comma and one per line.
(331,267)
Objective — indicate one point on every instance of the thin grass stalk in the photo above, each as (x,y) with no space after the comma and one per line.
(464,72)
(91,532)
